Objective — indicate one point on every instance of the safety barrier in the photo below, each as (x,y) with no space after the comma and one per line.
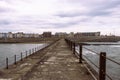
(102,74)
(20,57)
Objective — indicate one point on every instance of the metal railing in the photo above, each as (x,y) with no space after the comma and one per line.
(20,57)
(102,74)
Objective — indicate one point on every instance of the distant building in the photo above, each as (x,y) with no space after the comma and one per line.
(61,34)
(18,35)
(2,35)
(6,35)
(31,35)
(9,35)
(36,35)
(40,36)
(47,34)
(87,34)
(71,34)
(26,35)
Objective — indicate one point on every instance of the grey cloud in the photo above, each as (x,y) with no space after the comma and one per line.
(97,3)
(8,29)
(66,24)
(48,23)
(101,10)
(95,10)
(110,4)
(44,23)
(4,22)
(69,14)
(98,13)
(91,13)
(4,10)
(62,19)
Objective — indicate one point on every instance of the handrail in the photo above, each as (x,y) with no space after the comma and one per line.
(91,62)
(112,60)
(71,44)
(103,56)
(91,50)
(90,72)
(19,57)
(25,54)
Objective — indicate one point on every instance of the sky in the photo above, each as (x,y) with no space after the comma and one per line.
(37,16)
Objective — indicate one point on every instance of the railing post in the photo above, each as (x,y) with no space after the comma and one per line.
(71,45)
(68,42)
(102,64)
(26,54)
(33,51)
(21,56)
(80,53)
(15,59)
(30,51)
(74,48)
(7,63)
(37,48)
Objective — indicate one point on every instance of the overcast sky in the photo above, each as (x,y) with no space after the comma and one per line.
(60,16)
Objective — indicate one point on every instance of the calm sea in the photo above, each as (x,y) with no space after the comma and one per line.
(9,50)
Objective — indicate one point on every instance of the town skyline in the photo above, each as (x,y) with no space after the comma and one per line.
(47,34)
(39,16)
(110,34)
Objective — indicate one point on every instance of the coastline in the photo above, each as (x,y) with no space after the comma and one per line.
(27,40)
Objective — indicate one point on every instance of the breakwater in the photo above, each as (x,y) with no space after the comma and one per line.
(28,40)
(95,39)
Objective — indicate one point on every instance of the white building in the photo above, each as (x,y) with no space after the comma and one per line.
(79,34)
(36,35)
(61,34)
(18,35)
(26,35)
(71,34)
(2,35)
(9,35)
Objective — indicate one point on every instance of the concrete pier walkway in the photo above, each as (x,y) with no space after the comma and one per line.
(58,63)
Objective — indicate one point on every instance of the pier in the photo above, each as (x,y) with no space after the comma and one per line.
(57,61)
(59,39)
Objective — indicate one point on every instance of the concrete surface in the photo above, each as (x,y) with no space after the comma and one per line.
(54,63)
